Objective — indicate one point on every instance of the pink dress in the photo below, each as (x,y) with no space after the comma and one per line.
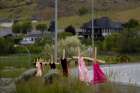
(99,76)
(82,70)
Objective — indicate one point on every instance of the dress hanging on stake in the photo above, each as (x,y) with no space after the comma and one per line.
(82,69)
(64,64)
(98,74)
(39,68)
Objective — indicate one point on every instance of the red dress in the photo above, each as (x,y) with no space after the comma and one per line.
(99,76)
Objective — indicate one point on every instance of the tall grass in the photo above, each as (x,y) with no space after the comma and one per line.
(67,85)
(63,85)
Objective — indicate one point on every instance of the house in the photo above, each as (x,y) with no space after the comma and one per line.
(31,38)
(102,27)
(4,32)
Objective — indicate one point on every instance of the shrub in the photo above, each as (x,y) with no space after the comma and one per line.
(6,46)
(70,29)
(132,23)
(42,27)
(22,27)
(70,44)
(83,11)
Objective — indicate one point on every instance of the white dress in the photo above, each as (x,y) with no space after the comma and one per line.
(38,69)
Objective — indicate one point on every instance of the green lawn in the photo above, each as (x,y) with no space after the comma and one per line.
(11,73)
(15,61)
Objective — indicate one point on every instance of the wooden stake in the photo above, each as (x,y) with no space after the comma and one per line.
(63,53)
(51,58)
(95,54)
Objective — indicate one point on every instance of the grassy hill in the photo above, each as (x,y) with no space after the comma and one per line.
(17,8)
(68,10)
(122,16)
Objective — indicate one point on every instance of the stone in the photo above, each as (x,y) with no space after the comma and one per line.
(7,85)
(25,76)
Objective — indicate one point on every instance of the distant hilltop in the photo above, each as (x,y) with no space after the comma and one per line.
(71,7)
(45,8)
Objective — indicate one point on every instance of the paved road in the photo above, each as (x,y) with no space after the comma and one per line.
(120,73)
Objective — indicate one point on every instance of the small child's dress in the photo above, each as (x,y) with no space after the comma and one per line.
(82,70)
(99,76)
(38,69)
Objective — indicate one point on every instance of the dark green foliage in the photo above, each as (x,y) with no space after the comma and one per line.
(26,26)
(70,29)
(86,41)
(16,28)
(125,42)
(132,23)
(41,27)
(129,42)
(83,11)
(17,39)
(111,42)
(22,27)
(6,46)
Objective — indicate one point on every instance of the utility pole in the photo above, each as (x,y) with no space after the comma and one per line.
(56,32)
(92,27)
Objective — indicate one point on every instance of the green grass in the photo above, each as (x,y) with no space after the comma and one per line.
(122,16)
(77,21)
(133,58)
(36,85)
(68,85)
(11,73)
(15,61)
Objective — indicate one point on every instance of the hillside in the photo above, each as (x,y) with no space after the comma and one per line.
(45,8)
(71,7)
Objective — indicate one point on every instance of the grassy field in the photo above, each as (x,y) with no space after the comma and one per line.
(15,61)
(36,85)
(122,16)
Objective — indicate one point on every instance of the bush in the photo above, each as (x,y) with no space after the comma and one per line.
(70,44)
(22,27)
(70,29)
(16,28)
(6,46)
(41,27)
(132,23)
(83,11)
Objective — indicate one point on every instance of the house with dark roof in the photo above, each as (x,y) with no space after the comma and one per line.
(31,38)
(4,31)
(102,27)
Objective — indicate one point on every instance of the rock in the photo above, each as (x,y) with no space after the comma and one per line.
(51,76)
(26,75)
(7,85)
